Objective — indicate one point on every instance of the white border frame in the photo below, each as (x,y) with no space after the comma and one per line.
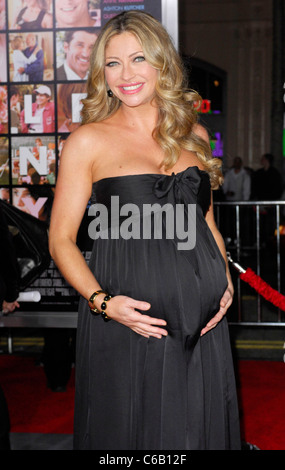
(169,13)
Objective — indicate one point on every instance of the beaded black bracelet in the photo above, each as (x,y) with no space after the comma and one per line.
(103,305)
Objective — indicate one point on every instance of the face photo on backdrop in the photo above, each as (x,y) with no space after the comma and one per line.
(4,160)
(3,109)
(31,57)
(3,58)
(35,201)
(5,194)
(37,113)
(69,96)
(33,160)
(73,53)
(2,14)
(30,15)
(60,145)
(77,13)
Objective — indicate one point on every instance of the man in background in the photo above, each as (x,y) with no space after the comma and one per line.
(267,186)
(35,70)
(43,108)
(236,187)
(267,181)
(77,47)
(237,184)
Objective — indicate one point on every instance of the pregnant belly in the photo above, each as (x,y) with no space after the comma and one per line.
(156,272)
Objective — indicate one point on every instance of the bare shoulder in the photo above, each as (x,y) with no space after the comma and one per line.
(86,142)
(201,132)
(76,168)
(47,21)
(84,135)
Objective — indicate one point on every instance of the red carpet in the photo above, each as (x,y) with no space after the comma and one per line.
(262,403)
(34,408)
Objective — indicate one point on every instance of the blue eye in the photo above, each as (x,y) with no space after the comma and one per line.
(139,59)
(111,64)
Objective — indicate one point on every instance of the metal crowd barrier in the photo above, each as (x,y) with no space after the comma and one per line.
(35,319)
(253,225)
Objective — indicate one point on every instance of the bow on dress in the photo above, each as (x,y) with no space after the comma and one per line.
(182,187)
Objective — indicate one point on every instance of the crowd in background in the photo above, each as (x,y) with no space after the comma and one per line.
(244,184)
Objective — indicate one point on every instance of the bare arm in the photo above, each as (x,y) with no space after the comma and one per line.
(47,21)
(227,298)
(73,190)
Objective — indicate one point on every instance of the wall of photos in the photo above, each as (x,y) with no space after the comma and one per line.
(45,47)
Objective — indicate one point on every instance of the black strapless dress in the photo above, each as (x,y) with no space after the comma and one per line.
(174,393)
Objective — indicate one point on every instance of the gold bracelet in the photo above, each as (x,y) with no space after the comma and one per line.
(92,300)
(103,305)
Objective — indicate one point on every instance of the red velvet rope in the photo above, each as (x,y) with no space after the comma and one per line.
(263,288)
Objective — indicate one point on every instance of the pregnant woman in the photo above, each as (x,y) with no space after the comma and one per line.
(154,367)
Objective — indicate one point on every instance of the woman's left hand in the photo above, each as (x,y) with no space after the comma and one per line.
(225,303)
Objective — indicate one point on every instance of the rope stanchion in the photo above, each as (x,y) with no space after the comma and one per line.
(255,281)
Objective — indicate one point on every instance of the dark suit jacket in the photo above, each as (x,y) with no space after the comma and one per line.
(60,73)
(35,70)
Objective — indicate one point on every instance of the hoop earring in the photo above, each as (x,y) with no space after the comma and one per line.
(110,93)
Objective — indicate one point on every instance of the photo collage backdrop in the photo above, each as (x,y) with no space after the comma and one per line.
(45,47)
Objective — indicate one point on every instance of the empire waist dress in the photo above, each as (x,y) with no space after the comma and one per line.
(173,393)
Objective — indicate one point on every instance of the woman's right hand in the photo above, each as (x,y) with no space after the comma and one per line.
(124,310)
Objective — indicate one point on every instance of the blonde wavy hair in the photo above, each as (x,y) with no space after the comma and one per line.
(176,104)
